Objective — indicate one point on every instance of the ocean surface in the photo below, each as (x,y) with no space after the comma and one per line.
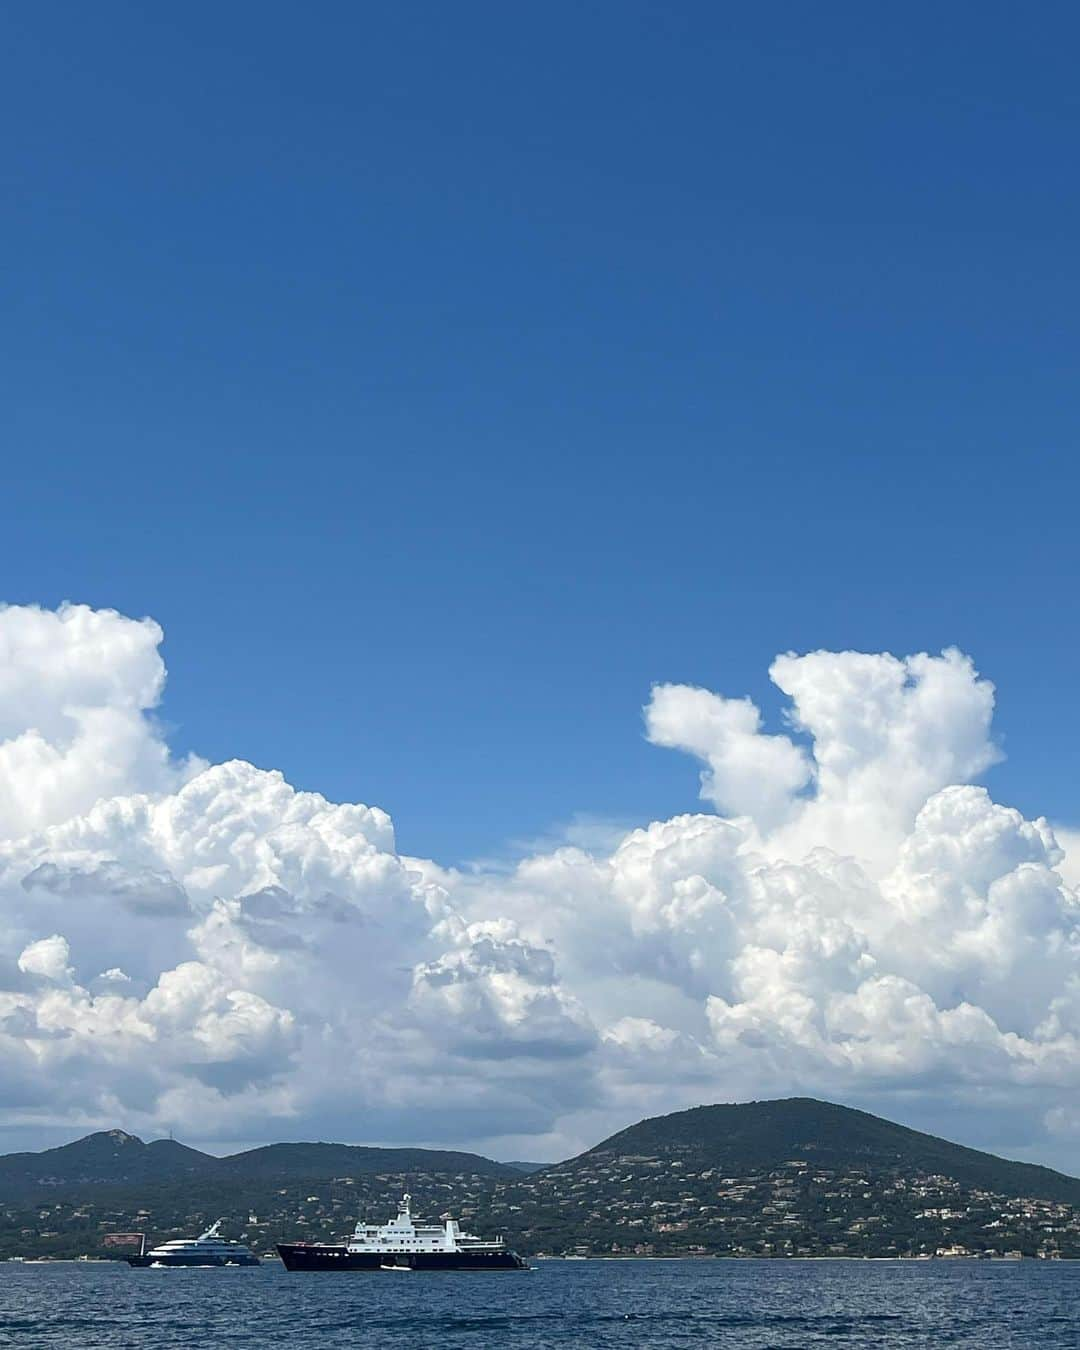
(649,1305)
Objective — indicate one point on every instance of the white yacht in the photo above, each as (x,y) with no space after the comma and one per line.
(208,1249)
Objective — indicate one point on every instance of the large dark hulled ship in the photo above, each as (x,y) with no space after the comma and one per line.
(403,1245)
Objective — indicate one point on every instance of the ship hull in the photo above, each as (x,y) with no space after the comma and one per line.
(299,1256)
(189,1259)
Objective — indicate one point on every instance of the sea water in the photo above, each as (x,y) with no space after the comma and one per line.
(648,1305)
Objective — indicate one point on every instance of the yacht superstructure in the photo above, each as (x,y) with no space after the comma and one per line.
(208,1249)
(403,1244)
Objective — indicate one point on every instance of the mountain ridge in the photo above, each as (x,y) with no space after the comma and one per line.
(105,1155)
(786,1177)
(116,1158)
(765,1130)
(757,1132)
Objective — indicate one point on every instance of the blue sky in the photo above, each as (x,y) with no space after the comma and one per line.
(440,377)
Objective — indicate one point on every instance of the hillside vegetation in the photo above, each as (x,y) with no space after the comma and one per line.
(792,1177)
(755,1135)
(113,1158)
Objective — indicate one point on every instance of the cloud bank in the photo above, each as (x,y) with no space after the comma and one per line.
(205,949)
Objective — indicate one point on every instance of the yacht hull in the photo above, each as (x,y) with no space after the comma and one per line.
(325,1256)
(169,1259)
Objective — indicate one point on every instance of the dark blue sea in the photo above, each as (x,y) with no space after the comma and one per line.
(648,1305)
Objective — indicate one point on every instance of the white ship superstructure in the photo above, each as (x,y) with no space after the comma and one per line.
(403,1234)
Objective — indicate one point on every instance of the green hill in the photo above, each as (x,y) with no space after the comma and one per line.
(113,1158)
(751,1136)
(795,1177)
(296,1161)
(108,1157)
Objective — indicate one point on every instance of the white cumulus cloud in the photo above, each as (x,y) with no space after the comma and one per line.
(205,948)
(76,685)
(48,957)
